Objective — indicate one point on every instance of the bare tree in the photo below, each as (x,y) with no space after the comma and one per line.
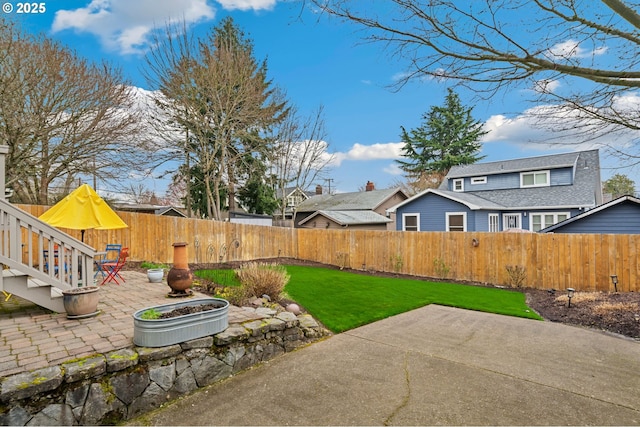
(61,116)
(300,155)
(219,94)
(546,45)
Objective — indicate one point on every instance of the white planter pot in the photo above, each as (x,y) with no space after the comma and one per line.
(155,275)
(164,332)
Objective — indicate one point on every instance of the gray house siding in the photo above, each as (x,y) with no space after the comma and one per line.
(620,219)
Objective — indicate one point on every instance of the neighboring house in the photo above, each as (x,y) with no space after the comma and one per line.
(294,196)
(619,216)
(249,218)
(364,210)
(148,208)
(529,194)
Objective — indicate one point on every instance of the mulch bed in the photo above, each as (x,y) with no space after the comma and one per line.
(614,312)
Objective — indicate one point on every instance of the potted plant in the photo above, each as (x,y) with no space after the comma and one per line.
(155,275)
(81,302)
(155,272)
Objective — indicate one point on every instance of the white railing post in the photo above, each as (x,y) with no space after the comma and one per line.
(4,150)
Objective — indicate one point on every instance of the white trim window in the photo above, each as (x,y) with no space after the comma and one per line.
(458,184)
(535,179)
(411,222)
(478,180)
(494,222)
(543,220)
(456,221)
(511,220)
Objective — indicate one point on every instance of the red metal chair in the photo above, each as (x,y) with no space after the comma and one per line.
(113,268)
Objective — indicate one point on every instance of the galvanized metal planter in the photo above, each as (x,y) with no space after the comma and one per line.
(164,332)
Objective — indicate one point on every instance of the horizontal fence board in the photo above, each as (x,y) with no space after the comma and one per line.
(581,261)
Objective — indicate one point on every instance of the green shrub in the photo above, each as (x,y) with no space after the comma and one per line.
(263,279)
(151,265)
(219,277)
(236,295)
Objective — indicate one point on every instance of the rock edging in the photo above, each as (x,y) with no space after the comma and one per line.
(123,384)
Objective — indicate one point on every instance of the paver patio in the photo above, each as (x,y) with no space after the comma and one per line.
(32,337)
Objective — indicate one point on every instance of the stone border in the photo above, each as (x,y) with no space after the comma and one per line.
(123,384)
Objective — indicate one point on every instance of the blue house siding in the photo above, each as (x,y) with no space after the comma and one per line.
(562,176)
(432,209)
(623,218)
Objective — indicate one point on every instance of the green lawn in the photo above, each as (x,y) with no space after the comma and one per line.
(343,300)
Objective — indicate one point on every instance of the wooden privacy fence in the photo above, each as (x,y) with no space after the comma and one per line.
(581,261)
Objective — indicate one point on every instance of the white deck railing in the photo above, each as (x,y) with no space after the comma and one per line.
(25,240)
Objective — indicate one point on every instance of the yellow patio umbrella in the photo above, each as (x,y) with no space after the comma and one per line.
(83,210)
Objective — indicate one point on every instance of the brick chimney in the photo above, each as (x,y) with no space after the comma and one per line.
(318,189)
(370,186)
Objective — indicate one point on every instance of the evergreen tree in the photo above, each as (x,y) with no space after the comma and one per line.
(448,136)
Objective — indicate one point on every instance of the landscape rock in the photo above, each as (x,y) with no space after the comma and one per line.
(128,386)
(54,415)
(293,308)
(121,359)
(30,383)
(84,369)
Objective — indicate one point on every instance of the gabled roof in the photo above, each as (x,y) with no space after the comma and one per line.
(623,199)
(470,200)
(170,211)
(289,190)
(552,161)
(349,217)
(359,200)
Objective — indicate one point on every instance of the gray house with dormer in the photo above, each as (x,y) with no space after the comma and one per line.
(521,194)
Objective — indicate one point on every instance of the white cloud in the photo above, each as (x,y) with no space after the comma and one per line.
(554,127)
(393,169)
(546,86)
(361,152)
(125,25)
(247,4)
(572,49)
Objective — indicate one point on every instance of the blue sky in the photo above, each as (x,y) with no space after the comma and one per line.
(317,61)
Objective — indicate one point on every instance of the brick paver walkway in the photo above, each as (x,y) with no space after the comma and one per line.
(32,337)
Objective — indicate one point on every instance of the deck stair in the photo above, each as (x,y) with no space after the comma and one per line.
(37,291)
(24,240)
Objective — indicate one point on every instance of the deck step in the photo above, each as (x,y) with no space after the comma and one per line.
(37,291)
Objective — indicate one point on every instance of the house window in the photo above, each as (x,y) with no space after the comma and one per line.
(294,199)
(411,222)
(511,221)
(494,223)
(456,221)
(479,180)
(534,179)
(544,220)
(458,184)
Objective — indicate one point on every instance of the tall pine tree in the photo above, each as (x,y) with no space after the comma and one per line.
(448,136)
